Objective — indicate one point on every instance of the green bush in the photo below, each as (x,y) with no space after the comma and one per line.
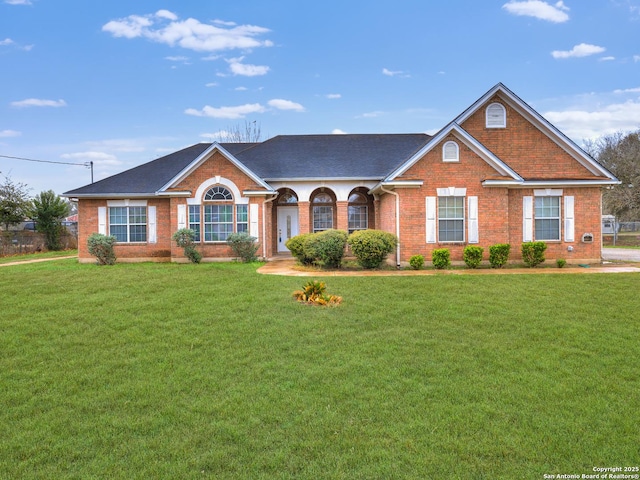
(101,247)
(371,247)
(533,253)
(561,262)
(416,262)
(326,247)
(296,247)
(499,255)
(244,246)
(184,239)
(472,256)
(441,258)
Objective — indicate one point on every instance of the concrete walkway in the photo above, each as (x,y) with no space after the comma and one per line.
(288,267)
(624,254)
(37,260)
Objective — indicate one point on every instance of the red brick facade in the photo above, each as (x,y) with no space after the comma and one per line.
(497,168)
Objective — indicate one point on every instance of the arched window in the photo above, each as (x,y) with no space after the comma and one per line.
(287,198)
(358,212)
(323,207)
(218,217)
(450,152)
(496,116)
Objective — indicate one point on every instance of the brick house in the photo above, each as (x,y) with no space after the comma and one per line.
(498,173)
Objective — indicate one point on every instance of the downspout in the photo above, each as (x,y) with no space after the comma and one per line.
(264,225)
(395,194)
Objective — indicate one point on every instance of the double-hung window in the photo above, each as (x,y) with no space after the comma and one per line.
(128,224)
(218,222)
(194,221)
(451,219)
(358,212)
(322,212)
(547,218)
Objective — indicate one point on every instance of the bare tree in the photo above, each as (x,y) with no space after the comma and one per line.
(249,133)
(620,154)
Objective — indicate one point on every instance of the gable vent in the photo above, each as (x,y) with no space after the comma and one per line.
(450,152)
(496,116)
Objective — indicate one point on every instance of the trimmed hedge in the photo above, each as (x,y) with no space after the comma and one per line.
(296,247)
(533,253)
(472,256)
(441,258)
(326,247)
(371,247)
(499,254)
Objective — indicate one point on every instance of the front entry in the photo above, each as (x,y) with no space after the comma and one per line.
(287,226)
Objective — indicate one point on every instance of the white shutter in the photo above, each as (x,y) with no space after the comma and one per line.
(569,222)
(102,220)
(431,220)
(182,216)
(473,220)
(153,229)
(527,219)
(253,220)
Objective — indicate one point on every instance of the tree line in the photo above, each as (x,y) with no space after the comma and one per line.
(47,210)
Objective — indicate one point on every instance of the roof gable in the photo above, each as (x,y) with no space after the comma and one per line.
(538,121)
(453,128)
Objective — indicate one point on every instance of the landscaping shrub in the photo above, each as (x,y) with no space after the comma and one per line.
(371,247)
(561,262)
(499,255)
(314,293)
(244,246)
(296,247)
(101,247)
(472,256)
(184,239)
(326,247)
(533,253)
(441,258)
(416,262)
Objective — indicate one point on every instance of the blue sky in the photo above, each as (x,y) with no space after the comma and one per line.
(120,83)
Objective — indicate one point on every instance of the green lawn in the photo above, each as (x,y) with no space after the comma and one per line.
(170,371)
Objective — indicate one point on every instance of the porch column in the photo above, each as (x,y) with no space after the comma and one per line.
(304,222)
(342,208)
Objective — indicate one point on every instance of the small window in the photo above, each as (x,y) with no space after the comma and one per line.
(451,219)
(322,212)
(358,212)
(496,116)
(194,221)
(218,193)
(450,152)
(547,218)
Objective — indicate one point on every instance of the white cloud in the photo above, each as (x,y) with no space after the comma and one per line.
(18,2)
(211,84)
(375,114)
(607,59)
(100,157)
(177,59)
(232,113)
(6,41)
(337,131)
(636,58)
(165,27)
(246,70)
(581,50)
(285,105)
(556,13)
(396,73)
(36,102)
(333,96)
(9,133)
(593,123)
(627,90)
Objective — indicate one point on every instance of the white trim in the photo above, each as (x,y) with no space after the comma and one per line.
(569,219)
(253,220)
(452,192)
(493,120)
(182,217)
(431,220)
(450,152)
(473,219)
(212,182)
(152,236)
(126,203)
(527,218)
(102,220)
(547,192)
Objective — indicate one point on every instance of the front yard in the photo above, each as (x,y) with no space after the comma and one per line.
(214,371)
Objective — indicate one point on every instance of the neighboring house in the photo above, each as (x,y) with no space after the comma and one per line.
(498,173)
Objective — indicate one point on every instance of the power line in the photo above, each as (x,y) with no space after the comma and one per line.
(85,164)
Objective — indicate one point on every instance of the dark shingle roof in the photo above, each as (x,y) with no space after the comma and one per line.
(283,157)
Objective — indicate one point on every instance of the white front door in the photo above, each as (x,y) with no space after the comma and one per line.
(287,226)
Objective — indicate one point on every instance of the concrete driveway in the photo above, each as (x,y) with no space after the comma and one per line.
(624,254)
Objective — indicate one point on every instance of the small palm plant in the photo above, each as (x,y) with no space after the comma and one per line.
(314,293)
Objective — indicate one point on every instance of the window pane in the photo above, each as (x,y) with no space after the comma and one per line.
(547,229)
(194,221)
(138,233)
(451,230)
(358,218)
(119,231)
(218,222)
(242,218)
(322,218)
